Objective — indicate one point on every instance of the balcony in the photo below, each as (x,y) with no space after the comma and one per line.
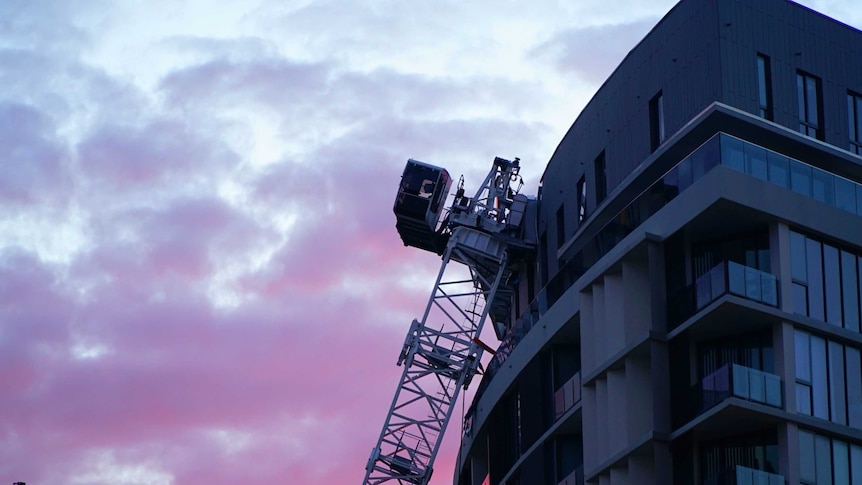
(733,380)
(740,475)
(567,396)
(725,278)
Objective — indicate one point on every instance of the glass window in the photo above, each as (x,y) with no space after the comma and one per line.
(854,118)
(708,155)
(807,468)
(819,384)
(837,391)
(815,279)
(859,199)
(736,278)
(685,175)
(561,225)
(803,399)
(809,103)
(731,153)
(582,199)
(855,464)
(832,281)
(800,178)
(656,117)
(849,291)
(803,359)
(854,388)
(755,161)
(764,86)
(800,299)
(823,459)
(798,266)
(845,194)
(601,177)
(823,186)
(778,169)
(840,462)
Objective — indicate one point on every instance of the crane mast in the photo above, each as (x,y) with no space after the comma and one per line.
(441,353)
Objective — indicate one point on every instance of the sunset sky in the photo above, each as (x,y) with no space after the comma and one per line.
(200,277)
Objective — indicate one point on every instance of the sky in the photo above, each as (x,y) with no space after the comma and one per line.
(200,277)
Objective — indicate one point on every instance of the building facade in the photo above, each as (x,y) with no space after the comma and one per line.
(692,315)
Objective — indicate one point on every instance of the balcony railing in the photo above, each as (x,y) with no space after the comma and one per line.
(574,478)
(740,475)
(725,278)
(734,380)
(567,396)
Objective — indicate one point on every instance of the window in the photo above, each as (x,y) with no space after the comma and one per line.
(809,98)
(826,282)
(543,255)
(854,117)
(764,87)
(656,121)
(828,379)
(561,225)
(601,178)
(582,200)
(824,460)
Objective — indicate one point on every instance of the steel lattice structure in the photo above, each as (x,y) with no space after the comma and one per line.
(441,354)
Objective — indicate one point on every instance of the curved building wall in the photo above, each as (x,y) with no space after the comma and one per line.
(668,313)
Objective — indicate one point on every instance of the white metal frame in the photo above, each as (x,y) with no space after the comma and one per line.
(440,354)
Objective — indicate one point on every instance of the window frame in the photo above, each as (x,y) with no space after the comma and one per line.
(764,86)
(582,199)
(810,111)
(854,121)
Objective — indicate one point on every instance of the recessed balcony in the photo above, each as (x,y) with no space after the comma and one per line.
(725,278)
(733,380)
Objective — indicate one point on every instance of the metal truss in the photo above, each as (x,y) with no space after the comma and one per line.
(441,352)
(440,357)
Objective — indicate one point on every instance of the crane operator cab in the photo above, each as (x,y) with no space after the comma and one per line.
(419,205)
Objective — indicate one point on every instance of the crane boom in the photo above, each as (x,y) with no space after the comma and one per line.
(441,355)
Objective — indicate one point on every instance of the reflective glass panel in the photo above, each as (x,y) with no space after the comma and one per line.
(755,161)
(832,281)
(837,397)
(803,399)
(819,384)
(840,462)
(685,175)
(800,178)
(800,299)
(845,194)
(731,153)
(823,184)
(823,457)
(778,169)
(803,358)
(798,265)
(849,291)
(855,464)
(854,387)
(815,279)
(806,457)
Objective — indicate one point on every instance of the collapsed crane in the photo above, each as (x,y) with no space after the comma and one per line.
(441,354)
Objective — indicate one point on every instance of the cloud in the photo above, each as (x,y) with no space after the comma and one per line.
(35,165)
(592,53)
